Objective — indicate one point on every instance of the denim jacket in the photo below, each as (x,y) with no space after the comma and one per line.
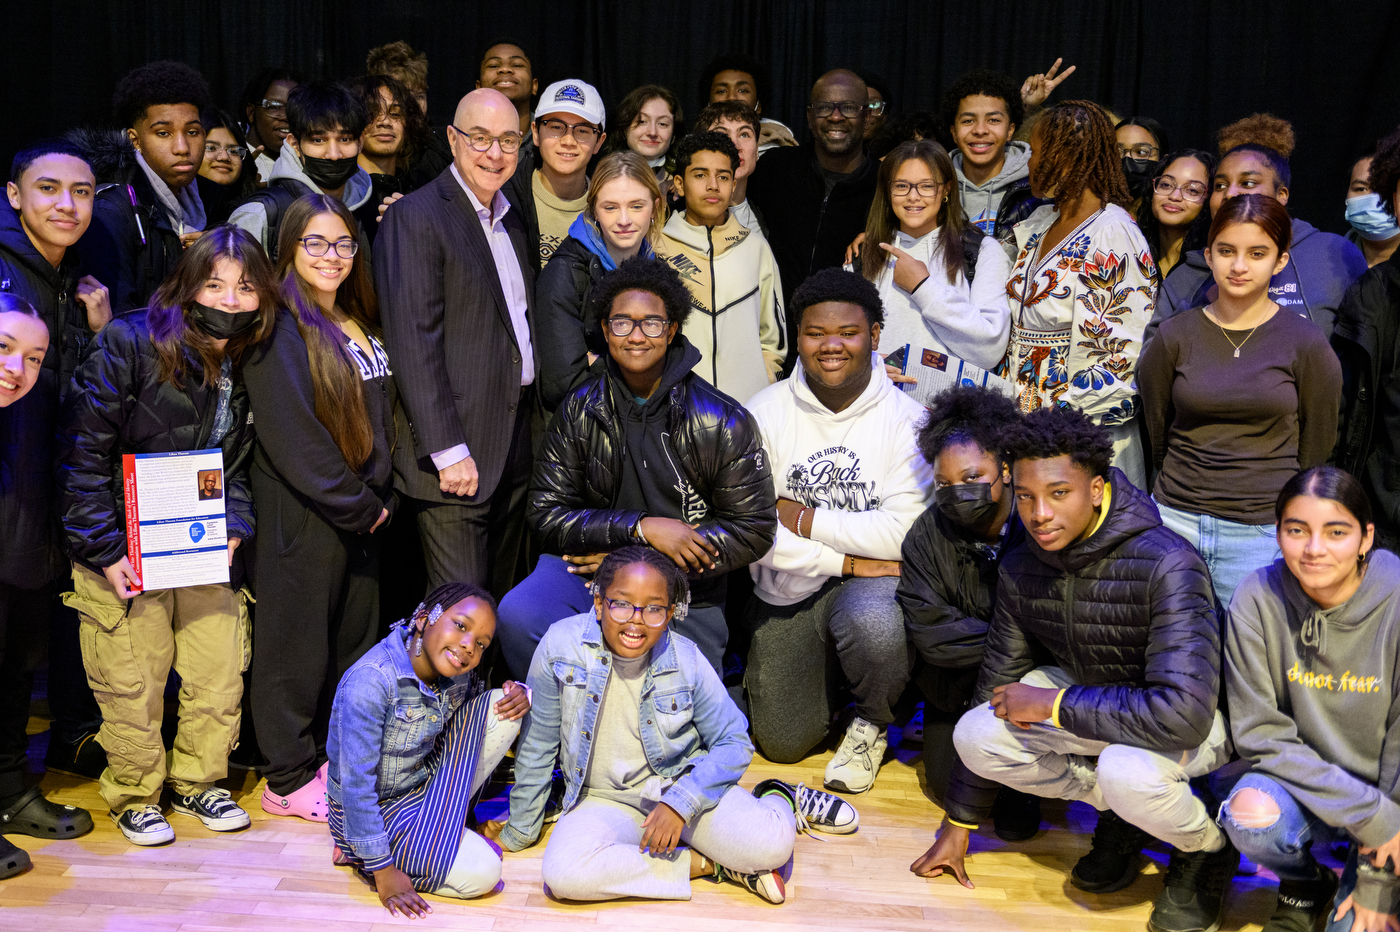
(694,736)
(384,722)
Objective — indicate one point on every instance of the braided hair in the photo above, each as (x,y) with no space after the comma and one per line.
(1078,151)
(677,586)
(445,596)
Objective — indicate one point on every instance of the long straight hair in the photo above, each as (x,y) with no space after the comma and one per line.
(335,377)
(168,313)
(628,164)
(881,224)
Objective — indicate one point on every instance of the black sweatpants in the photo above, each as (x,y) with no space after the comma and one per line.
(317,590)
(24,631)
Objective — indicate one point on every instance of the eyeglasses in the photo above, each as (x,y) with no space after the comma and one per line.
(651,326)
(925,188)
(274,107)
(653,616)
(215,149)
(481,142)
(1191,190)
(876,107)
(318,246)
(585,133)
(849,109)
(1143,150)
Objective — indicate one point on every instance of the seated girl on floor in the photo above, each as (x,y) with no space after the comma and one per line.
(652,749)
(414,734)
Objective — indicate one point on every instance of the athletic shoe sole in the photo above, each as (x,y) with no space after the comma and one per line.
(145,839)
(231,823)
(836,786)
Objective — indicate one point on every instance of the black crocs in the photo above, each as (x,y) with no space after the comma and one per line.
(32,814)
(12,860)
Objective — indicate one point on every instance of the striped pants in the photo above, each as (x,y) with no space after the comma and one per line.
(427,825)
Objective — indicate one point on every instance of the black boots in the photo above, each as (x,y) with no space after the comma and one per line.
(1115,859)
(1193,895)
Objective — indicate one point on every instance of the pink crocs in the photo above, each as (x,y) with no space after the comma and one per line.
(308,803)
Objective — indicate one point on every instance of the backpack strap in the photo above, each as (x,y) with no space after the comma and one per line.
(972,247)
(275,199)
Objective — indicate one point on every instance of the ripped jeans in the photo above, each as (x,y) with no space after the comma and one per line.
(1284,845)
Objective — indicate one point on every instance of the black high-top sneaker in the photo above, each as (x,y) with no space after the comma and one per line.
(1302,904)
(1193,895)
(1114,860)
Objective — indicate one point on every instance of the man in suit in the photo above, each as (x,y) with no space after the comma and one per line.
(456,298)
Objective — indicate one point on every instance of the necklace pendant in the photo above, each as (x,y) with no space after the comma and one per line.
(1237,352)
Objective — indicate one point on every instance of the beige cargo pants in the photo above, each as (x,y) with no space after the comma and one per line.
(128,651)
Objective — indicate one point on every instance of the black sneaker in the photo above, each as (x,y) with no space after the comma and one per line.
(554,804)
(1303,904)
(1193,894)
(215,808)
(1016,815)
(1114,860)
(816,810)
(85,758)
(13,859)
(144,826)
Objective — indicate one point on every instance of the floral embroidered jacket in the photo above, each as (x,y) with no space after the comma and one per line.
(1078,314)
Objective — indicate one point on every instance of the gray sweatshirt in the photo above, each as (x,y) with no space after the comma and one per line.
(1314,699)
(980,202)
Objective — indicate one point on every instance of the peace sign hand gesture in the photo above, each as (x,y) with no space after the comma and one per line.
(1036,89)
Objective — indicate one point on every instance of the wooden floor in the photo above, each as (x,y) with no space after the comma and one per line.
(277,876)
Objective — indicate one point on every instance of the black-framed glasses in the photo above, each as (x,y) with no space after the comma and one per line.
(214,149)
(481,141)
(849,109)
(584,133)
(651,326)
(1191,190)
(1143,150)
(653,616)
(274,107)
(925,188)
(318,246)
(876,107)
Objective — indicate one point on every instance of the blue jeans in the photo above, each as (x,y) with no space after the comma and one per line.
(1231,550)
(552,593)
(1285,847)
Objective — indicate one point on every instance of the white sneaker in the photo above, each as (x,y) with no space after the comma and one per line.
(144,825)
(857,760)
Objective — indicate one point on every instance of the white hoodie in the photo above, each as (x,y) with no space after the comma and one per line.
(859,469)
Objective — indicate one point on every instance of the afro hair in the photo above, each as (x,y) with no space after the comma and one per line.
(986,84)
(835,284)
(156,83)
(1260,129)
(1385,170)
(711,141)
(641,274)
(1062,431)
(968,414)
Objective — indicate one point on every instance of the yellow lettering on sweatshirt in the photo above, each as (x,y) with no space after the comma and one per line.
(1346,683)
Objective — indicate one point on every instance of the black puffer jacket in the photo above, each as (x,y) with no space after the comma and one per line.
(52,291)
(715,441)
(1130,616)
(948,588)
(117,405)
(565,334)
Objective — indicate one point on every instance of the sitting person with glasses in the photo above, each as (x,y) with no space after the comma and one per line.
(652,763)
(1141,142)
(265,115)
(325,122)
(1174,220)
(222,180)
(1254,160)
(323,397)
(567,132)
(645,453)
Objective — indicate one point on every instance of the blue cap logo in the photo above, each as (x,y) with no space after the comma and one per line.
(196,532)
(570,92)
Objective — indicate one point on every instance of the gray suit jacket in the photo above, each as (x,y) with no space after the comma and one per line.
(448,334)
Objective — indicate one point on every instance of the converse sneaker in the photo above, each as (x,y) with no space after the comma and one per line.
(1301,903)
(857,760)
(816,810)
(214,808)
(144,825)
(1193,893)
(767,884)
(1114,860)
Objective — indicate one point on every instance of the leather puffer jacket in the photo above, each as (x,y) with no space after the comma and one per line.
(716,443)
(118,405)
(1129,614)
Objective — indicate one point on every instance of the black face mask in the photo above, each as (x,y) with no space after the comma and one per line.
(1139,174)
(220,324)
(969,505)
(330,174)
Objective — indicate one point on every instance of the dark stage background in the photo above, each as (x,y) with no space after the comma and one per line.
(1330,67)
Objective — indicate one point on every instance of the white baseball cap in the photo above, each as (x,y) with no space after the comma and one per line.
(572,96)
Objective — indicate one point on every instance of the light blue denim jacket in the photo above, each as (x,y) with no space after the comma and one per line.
(384,722)
(694,736)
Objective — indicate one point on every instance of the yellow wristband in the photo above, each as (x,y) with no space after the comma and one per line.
(1055,709)
(970,828)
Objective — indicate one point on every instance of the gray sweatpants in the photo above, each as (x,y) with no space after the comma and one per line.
(593,855)
(1150,789)
(851,629)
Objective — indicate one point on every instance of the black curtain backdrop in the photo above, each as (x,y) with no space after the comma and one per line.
(1195,65)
